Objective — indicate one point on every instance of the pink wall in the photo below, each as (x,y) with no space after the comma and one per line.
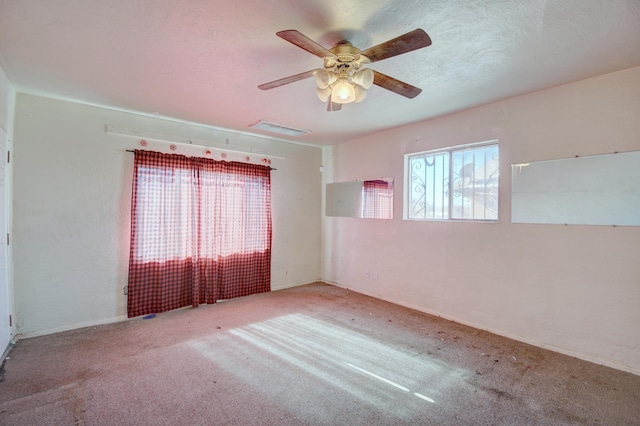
(574,289)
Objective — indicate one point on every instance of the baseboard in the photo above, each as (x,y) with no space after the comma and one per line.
(28,335)
(553,348)
(103,321)
(286,286)
(6,352)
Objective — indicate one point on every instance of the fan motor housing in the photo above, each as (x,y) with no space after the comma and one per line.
(345,52)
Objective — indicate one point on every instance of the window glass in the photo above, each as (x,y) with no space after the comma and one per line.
(459,183)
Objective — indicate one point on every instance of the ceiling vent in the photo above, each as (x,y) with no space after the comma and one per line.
(278,128)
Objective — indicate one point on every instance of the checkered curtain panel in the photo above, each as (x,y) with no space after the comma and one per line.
(377,199)
(200,232)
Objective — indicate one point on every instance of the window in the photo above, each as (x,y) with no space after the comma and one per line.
(459,183)
(377,199)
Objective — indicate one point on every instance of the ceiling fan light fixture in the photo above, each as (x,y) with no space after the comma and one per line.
(364,78)
(361,93)
(323,94)
(325,78)
(343,92)
(342,80)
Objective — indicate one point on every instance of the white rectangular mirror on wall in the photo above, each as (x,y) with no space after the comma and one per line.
(594,190)
(365,199)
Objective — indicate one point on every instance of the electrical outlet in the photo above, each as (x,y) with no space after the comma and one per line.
(366,273)
(125,290)
(375,275)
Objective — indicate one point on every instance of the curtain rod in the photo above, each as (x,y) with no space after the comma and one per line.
(131,150)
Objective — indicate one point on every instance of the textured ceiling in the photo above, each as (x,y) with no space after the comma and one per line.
(202,60)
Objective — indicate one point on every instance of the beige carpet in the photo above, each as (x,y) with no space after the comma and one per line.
(310,355)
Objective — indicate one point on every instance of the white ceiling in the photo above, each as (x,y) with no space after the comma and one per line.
(202,60)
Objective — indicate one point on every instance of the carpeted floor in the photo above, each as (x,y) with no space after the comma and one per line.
(315,354)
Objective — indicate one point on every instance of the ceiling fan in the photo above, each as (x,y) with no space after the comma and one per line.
(343,80)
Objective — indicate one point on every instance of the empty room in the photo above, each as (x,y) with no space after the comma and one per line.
(320,212)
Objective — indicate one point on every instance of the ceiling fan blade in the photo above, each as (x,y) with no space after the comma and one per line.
(333,106)
(397,86)
(286,80)
(412,40)
(304,42)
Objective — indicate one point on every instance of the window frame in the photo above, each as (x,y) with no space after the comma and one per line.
(450,151)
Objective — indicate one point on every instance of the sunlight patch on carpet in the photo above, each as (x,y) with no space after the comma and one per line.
(302,356)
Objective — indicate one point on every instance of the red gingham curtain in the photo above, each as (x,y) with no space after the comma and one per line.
(377,199)
(200,232)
